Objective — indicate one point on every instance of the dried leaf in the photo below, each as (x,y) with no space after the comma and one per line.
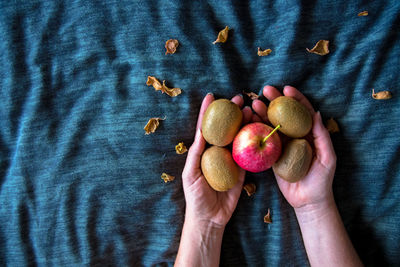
(170,91)
(363,14)
(265,52)
(252,95)
(332,126)
(180,148)
(250,189)
(152,125)
(267,218)
(171,46)
(167,178)
(222,36)
(151,80)
(321,48)
(382,95)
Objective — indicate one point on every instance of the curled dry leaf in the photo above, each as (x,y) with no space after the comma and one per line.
(267,218)
(252,95)
(222,36)
(180,148)
(171,46)
(332,126)
(151,80)
(152,125)
(167,178)
(265,52)
(382,95)
(170,91)
(250,189)
(321,48)
(363,14)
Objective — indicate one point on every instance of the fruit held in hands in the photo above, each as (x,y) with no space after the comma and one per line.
(219,169)
(221,122)
(254,149)
(295,161)
(293,117)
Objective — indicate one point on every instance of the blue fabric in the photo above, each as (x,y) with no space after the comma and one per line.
(80,181)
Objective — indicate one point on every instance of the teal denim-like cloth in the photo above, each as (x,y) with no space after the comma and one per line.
(79,179)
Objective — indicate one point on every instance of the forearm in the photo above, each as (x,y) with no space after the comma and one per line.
(200,245)
(325,237)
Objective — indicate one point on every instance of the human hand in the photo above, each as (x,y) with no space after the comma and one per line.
(315,189)
(204,205)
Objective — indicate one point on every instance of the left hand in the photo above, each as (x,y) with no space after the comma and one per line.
(204,205)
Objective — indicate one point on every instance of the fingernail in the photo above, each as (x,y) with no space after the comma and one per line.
(241,95)
(209,93)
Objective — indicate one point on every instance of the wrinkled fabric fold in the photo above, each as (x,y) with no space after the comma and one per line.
(79,179)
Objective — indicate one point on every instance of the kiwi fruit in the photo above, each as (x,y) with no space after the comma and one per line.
(293,117)
(221,122)
(295,160)
(219,169)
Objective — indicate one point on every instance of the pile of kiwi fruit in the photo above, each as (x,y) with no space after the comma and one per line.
(222,121)
(296,122)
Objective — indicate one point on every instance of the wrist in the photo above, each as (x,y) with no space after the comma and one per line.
(203,228)
(324,235)
(204,221)
(316,211)
(200,244)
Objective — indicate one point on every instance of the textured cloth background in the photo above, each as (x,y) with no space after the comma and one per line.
(80,181)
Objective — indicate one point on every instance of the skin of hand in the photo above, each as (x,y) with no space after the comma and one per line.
(207,211)
(316,186)
(204,205)
(324,235)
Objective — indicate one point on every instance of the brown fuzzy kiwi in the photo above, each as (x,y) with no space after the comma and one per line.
(293,117)
(219,169)
(221,122)
(295,160)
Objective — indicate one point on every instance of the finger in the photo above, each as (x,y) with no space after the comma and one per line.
(247,114)
(256,118)
(208,99)
(238,100)
(194,154)
(296,94)
(323,144)
(271,92)
(260,109)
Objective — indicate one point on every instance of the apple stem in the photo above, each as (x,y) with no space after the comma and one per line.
(274,130)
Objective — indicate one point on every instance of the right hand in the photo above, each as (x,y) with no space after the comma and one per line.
(316,187)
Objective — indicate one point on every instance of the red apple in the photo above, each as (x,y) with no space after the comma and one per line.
(254,150)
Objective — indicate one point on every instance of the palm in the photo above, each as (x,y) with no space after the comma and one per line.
(210,205)
(311,189)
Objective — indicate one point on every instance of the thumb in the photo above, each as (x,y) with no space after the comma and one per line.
(192,165)
(191,171)
(322,141)
(195,151)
